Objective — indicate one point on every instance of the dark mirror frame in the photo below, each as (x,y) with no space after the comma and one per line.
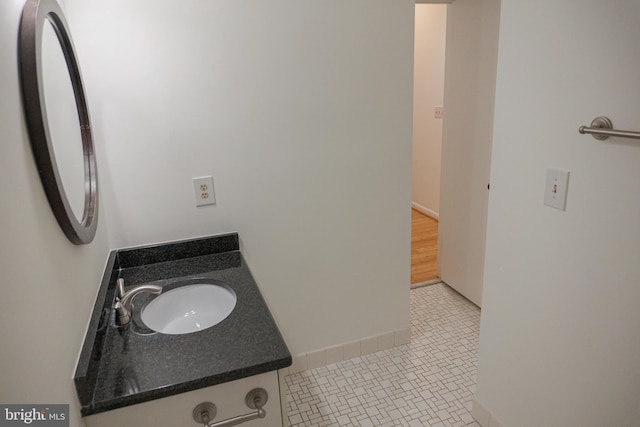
(35,15)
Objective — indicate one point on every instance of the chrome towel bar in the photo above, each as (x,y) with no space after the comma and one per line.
(205,412)
(601,128)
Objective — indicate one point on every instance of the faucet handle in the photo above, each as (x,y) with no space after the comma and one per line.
(122,314)
(120,288)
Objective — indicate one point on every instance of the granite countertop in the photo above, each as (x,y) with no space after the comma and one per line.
(122,366)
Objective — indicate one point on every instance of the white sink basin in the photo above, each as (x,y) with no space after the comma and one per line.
(189,308)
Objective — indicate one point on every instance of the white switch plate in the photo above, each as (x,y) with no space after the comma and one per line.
(203,189)
(439,112)
(555,191)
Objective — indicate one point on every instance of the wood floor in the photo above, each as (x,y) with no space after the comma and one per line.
(424,247)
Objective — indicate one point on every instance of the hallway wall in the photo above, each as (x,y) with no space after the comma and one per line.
(428,91)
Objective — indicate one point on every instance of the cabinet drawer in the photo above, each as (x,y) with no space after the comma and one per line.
(176,411)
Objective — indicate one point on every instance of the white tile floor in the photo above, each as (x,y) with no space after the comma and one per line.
(429,382)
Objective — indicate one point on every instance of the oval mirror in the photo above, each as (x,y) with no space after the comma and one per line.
(58,119)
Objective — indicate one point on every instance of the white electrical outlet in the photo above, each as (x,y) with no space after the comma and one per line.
(439,112)
(555,191)
(203,189)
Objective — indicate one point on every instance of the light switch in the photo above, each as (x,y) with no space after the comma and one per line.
(555,191)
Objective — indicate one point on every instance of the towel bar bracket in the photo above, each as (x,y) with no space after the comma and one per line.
(601,128)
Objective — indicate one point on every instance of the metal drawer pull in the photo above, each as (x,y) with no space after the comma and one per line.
(205,412)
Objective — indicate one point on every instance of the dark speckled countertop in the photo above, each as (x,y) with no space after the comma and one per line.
(122,366)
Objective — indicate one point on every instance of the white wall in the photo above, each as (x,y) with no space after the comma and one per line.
(559,336)
(48,284)
(472,47)
(301,111)
(428,91)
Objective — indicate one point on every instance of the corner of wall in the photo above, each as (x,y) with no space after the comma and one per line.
(483,416)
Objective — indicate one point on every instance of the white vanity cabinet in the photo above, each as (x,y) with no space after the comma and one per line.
(176,411)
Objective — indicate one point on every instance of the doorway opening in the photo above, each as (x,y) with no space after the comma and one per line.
(428,114)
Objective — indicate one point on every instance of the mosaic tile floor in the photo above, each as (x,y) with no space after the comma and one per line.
(429,382)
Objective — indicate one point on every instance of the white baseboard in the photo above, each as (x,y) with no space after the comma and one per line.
(483,416)
(426,211)
(338,353)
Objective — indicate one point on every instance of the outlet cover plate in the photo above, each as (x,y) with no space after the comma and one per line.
(203,190)
(555,190)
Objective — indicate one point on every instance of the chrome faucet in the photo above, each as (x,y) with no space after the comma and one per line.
(124,299)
